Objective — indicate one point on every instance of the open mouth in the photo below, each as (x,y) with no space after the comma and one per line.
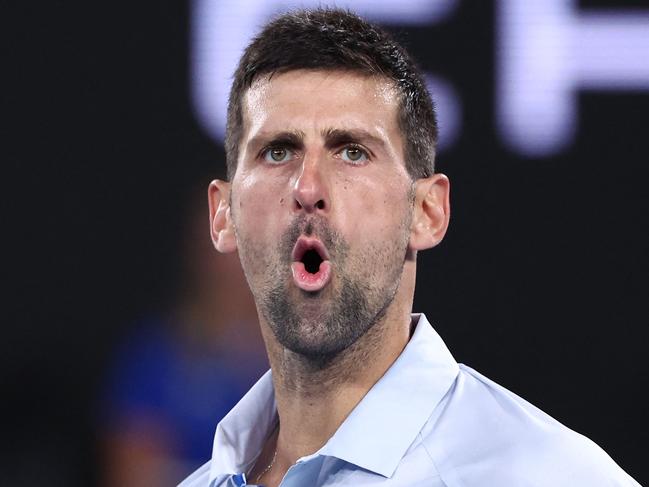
(311,260)
(311,266)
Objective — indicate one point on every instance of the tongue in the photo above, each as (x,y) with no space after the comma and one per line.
(308,281)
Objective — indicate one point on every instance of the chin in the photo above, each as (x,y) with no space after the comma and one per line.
(316,351)
(316,338)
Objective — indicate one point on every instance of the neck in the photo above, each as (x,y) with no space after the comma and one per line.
(315,396)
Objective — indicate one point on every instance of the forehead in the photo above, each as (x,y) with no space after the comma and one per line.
(320,100)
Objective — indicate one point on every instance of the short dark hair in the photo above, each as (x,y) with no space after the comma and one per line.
(333,39)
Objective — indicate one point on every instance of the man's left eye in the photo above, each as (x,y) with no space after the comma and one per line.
(353,154)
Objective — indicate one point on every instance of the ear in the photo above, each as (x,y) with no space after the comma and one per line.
(432,212)
(221,226)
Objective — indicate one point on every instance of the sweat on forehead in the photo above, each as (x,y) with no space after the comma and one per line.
(266,92)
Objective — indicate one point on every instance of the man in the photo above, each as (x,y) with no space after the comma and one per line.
(330,145)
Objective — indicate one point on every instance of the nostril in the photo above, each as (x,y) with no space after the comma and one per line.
(319,205)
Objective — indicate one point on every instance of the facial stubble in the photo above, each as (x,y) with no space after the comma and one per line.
(318,326)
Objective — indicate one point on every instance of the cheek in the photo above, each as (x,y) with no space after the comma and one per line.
(372,210)
(259,207)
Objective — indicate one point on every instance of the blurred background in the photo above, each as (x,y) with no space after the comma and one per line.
(126,338)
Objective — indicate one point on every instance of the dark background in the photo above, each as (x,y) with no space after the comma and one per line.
(541,283)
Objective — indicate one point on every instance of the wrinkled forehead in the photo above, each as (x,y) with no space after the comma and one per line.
(310,90)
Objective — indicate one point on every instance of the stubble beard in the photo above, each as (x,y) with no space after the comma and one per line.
(319,326)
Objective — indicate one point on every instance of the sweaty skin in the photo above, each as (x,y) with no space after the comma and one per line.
(321,157)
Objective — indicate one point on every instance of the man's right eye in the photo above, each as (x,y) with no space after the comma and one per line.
(274,155)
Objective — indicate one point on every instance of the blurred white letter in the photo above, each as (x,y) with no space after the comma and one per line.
(547,51)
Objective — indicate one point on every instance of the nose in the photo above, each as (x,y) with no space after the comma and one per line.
(310,192)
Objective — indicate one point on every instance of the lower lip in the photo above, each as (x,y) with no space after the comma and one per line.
(311,282)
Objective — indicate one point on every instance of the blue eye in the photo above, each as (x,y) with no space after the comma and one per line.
(277,154)
(353,154)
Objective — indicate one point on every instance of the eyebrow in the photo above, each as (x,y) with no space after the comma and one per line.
(337,137)
(292,139)
(295,139)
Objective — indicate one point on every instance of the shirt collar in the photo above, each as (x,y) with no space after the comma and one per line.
(376,434)
(241,434)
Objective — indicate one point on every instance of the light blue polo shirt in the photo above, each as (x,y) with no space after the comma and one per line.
(428,422)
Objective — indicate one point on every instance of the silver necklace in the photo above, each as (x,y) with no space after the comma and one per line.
(270,465)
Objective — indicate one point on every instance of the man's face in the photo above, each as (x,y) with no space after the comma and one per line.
(321,204)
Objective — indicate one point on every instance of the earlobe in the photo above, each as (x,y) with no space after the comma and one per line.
(221,226)
(432,212)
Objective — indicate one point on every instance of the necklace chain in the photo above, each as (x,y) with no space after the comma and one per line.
(270,465)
